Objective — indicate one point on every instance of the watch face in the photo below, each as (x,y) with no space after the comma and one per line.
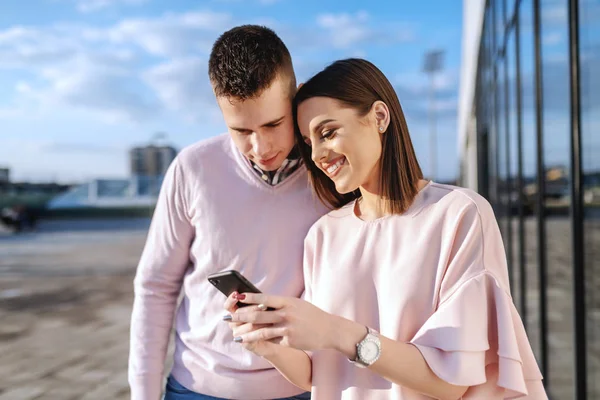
(369,351)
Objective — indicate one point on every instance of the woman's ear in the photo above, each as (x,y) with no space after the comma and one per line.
(382,115)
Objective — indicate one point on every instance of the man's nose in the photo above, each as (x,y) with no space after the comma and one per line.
(261,146)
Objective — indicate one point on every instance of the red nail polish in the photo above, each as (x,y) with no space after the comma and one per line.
(241,296)
(235,295)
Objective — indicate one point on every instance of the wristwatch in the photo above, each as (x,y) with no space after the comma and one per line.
(368,350)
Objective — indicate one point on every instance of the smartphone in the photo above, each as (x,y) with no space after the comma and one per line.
(232,281)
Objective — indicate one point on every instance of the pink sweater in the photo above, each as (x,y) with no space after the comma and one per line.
(435,277)
(214,213)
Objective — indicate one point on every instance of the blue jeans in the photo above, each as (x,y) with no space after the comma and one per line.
(176,391)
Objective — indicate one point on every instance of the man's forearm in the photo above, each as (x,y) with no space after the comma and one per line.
(151,325)
(295,365)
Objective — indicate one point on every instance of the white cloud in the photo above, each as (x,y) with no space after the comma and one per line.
(553,38)
(262,2)
(345,29)
(35,49)
(168,35)
(555,13)
(183,86)
(419,83)
(352,30)
(22,47)
(87,6)
(97,70)
(107,71)
(10,112)
(112,92)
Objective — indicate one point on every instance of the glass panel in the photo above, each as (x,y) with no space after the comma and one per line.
(501,146)
(484,113)
(527,59)
(590,122)
(113,188)
(73,197)
(492,100)
(499,18)
(510,8)
(148,185)
(512,188)
(557,201)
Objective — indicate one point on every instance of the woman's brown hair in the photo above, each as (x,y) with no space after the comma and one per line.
(357,84)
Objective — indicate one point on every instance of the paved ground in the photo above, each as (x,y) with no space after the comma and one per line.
(65,301)
(560,302)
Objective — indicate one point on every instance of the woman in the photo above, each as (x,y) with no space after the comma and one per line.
(407,278)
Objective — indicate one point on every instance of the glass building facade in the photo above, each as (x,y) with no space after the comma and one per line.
(530,143)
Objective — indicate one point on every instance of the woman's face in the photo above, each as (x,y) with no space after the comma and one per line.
(346,146)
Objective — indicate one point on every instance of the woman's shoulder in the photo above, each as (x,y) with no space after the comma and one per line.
(455,199)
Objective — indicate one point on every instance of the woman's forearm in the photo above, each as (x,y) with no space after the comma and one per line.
(295,365)
(401,363)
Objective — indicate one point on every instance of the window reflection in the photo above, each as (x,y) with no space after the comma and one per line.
(498,120)
(590,122)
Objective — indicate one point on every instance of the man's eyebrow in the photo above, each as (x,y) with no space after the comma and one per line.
(274,122)
(270,123)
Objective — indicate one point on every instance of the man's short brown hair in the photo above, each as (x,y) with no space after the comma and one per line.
(245,60)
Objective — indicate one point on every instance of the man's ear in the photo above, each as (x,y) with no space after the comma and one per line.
(299,86)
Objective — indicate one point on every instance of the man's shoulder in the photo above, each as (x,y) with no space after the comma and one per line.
(206,150)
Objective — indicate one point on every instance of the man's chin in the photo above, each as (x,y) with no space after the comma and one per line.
(270,168)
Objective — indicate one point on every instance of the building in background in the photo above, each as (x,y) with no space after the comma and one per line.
(130,197)
(529,113)
(4,175)
(151,160)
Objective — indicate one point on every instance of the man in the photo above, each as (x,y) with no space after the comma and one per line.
(237,201)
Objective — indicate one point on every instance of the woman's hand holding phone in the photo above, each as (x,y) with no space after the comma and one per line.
(260,348)
(293,323)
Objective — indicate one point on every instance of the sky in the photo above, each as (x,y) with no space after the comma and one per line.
(82,81)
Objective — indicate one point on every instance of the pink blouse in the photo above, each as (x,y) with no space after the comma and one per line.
(435,277)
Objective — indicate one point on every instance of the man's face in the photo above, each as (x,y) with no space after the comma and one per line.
(262,128)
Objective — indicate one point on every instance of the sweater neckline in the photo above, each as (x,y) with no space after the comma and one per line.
(253,176)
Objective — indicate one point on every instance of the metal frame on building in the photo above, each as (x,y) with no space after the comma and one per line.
(493,58)
(580,342)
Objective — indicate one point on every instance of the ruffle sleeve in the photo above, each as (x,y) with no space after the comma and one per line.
(462,349)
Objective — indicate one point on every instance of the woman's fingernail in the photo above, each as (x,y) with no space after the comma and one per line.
(227,317)
(237,339)
(241,296)
(262,307)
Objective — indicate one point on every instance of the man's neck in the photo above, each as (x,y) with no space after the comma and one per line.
(289,165)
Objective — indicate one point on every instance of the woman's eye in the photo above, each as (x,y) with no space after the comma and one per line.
(328,134)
